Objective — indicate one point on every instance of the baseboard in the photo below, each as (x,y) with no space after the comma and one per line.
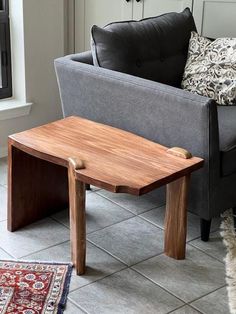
(3,152)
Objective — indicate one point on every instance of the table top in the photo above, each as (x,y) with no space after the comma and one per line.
(114,159)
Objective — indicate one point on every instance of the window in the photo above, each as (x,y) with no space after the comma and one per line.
(5,51)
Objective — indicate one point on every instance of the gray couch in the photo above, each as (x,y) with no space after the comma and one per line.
(163,114)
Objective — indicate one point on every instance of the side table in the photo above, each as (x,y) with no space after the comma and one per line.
(50,165)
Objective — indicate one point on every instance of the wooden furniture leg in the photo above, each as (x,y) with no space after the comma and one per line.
(36,188)
(77,190)
(176,218)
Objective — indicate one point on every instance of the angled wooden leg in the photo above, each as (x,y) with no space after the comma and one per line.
(176,218)
(77,218)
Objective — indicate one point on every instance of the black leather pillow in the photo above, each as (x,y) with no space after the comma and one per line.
(153,48)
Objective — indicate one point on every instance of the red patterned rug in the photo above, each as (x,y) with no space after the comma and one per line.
(33,288)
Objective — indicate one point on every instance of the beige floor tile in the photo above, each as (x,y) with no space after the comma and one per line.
(213,247)
(188,279)
(157,216)
(32,238)
(3,203)
(186,310)
(3,171)
(214,303)
(100,213)
(131,241)
(136,204)
(124,292)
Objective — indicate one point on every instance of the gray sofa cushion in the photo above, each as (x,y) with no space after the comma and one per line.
(227,133)
(153,48)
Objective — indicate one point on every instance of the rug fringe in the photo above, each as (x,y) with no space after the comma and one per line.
(62,303)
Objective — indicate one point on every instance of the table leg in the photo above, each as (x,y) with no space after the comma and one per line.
(176,218)
(77,197)
(36,188)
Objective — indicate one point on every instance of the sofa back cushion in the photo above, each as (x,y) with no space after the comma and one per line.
(153,48)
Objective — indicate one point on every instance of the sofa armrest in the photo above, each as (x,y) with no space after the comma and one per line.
(164,114)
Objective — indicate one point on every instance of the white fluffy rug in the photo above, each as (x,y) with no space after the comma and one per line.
(229,238)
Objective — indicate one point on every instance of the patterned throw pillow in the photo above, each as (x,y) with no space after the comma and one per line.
(211,68)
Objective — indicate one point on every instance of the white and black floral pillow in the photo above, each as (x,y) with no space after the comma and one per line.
(211,68)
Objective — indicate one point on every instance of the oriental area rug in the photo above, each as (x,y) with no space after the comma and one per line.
(33,288)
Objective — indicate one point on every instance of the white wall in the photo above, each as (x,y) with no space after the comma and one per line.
(43,25)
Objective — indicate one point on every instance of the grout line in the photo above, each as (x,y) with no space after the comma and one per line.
(61,223)
(186,304)
(146,259)
(99,279)
(178,308)
(91,232)
(115,203)
(160,286)
(162,227)
(98,246)
(116,223)
(170,292)
(49,247)
(201,250)
(88,233)
(146,211)
(151,222)
(7,252)
(193,239)
(134,215)
(76,305)
(205,295)
(195,308)
(104,250)
(126,207)
(198,237)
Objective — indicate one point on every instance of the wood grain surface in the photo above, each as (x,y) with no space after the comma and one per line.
(36,188)
(114,159)
(176,217)
(77,217)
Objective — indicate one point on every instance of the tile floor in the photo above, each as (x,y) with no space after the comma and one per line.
(127,271)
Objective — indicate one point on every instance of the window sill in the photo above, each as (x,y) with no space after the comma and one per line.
(12,108)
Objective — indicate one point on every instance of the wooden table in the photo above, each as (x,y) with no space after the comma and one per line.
(48,161)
